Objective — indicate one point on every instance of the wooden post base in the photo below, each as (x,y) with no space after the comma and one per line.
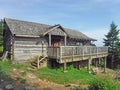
(89,63)
(65,68)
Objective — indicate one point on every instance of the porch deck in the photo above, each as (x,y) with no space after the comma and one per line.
(76,53)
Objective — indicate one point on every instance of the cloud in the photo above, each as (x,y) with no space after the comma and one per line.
(73,14)
(98,34)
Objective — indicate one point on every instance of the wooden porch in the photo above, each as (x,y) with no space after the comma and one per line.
(64,54)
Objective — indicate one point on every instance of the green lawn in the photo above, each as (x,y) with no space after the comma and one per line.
(74,76)
(55,75)
(6,67)
(71,76)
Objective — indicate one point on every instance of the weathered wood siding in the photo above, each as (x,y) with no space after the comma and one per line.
(7,40)
(58,32)
(71,42)
(26,49)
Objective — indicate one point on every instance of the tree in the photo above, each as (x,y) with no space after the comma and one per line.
(1,34)
(112,41)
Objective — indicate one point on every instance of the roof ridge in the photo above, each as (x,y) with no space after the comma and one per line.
(33,28)
(27,21)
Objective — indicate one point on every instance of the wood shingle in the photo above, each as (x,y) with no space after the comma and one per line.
(19,27)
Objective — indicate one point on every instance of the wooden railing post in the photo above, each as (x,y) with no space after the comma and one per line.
(65,40)
(76,53)
(60,53)
(97,51)
(72,53)
(90,51)
(38,66)
(83,52)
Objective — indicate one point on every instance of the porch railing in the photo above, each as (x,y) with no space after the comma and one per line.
(64,51)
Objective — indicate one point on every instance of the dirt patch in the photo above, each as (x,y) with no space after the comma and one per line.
(21,80)
(108,73)
(33,80)
(29,81)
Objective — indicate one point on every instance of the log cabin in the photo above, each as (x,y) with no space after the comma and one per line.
(24,40)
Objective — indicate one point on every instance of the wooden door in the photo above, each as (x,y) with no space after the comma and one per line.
(56,44)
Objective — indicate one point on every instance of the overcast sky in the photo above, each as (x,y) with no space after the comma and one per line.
(92,17)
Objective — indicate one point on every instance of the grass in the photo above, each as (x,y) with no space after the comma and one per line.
(1,48)
(7,66)
(104,84)
(55,75)
(71,76)
(74,76)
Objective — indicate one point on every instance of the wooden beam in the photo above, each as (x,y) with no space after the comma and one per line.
(65,66)
(38,65)
(72,53)
(99,61)
(96,62)
(78,65)
(83,53)
(89,62)
(12,48)
(65,40)
(53,28)
(60,53)
(49,39)
(27,36)
(105,65)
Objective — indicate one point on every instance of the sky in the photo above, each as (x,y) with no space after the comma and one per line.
(91,17)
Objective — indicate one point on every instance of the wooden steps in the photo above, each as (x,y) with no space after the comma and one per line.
(39,62)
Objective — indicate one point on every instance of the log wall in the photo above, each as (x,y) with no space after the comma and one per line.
(7,41)
(26,49)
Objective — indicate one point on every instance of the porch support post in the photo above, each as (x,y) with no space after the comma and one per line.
(89,62)
(99,61)
(65,66)
(96,62)
(49,39)
(78,65)
(105,65)
(65,41)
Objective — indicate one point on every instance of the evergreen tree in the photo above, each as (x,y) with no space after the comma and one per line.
(1,34)
(112,41)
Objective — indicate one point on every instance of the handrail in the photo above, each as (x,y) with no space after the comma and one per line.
(61,51)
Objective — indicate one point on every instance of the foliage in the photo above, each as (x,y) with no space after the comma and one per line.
(71,76)
(1,34)
(1,48)
(112,39)
(104,84)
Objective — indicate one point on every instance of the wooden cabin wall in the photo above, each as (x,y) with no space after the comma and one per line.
(71,42)
(87,43)
(26,49)
(7,39)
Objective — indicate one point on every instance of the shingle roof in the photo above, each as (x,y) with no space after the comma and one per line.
(19,27)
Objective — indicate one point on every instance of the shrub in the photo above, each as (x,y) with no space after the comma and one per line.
(103,84)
